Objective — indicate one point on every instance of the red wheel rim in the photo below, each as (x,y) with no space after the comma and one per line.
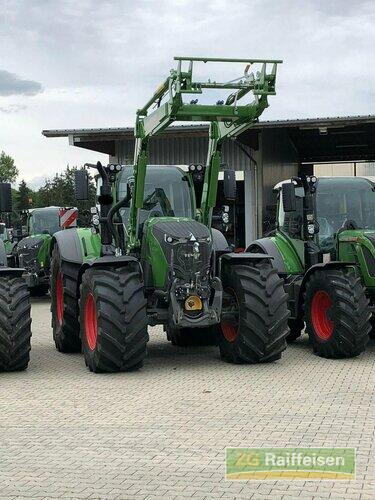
(91,322)
(322,323)
(230,327)
(59,298)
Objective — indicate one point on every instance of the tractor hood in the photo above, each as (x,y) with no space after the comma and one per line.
(370,235)
(32,251)
(181,244)
(359,246)
(31,242)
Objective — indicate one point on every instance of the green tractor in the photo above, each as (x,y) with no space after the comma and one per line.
(33,250)
(15,320)
(324,248)
(151,256)
(6,237)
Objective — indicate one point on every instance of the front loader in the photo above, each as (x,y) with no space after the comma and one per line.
(15,321)
(324,249)
(152,258)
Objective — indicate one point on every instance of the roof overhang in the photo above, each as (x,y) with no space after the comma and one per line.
(334,139)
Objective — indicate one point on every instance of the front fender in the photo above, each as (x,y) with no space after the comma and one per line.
(267,246)
(77,245)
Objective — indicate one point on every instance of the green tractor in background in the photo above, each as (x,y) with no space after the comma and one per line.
(6,237)
(15,320)
(151,256)
(33,250)
(324,248)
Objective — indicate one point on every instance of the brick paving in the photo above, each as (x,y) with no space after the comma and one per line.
(162,432)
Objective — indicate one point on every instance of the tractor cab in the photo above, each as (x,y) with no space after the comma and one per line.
(319,210)
(168,193)
(43,221)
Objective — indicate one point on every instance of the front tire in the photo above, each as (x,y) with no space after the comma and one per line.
(337,314)
(113,319)
(254,323)
(15,324)
(64,305)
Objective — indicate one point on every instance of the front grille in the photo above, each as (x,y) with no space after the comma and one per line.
(186,261)
(191,247)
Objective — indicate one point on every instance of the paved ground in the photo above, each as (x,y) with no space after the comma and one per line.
(162,432)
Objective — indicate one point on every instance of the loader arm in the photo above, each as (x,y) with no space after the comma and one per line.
(227,119)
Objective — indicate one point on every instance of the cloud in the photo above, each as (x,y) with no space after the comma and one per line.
(13,108)
(100,61)
(11,84)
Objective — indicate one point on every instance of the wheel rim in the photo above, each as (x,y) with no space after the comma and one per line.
(230,316)
(59,298)
(91,322)
(320,307)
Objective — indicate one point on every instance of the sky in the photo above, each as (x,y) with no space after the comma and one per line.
(87,64)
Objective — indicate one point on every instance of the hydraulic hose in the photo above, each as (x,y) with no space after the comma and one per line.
(120,204)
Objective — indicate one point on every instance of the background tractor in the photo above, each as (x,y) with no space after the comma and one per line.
(324,248)
(151,256)
(33,249)
(15,321)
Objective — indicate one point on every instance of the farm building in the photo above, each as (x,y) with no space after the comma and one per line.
(268,152)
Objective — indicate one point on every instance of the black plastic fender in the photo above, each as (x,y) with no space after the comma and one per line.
(219,241)
(269,247)
(71,255)
(334,264)
(69,246)
(241,258)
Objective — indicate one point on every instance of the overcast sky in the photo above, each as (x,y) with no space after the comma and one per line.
(74,64)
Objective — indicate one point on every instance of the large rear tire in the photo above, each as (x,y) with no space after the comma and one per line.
(15,324)
(337,314)
(64,305)
(254,323)
(113,319)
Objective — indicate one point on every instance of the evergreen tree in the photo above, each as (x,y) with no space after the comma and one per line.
(24,197)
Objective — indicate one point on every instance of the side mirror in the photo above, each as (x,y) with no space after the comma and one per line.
(230,188)
(81,185)
(289,197)
(5,197)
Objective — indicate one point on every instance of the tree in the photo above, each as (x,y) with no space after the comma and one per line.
(8,169)
(24,197)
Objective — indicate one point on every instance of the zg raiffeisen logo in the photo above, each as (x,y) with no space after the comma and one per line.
(290,463)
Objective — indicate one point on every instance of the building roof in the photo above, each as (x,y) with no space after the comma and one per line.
(340,138)
(297,122)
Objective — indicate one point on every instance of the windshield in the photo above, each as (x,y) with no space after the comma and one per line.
(167,193)
(344,199)
(44,221)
